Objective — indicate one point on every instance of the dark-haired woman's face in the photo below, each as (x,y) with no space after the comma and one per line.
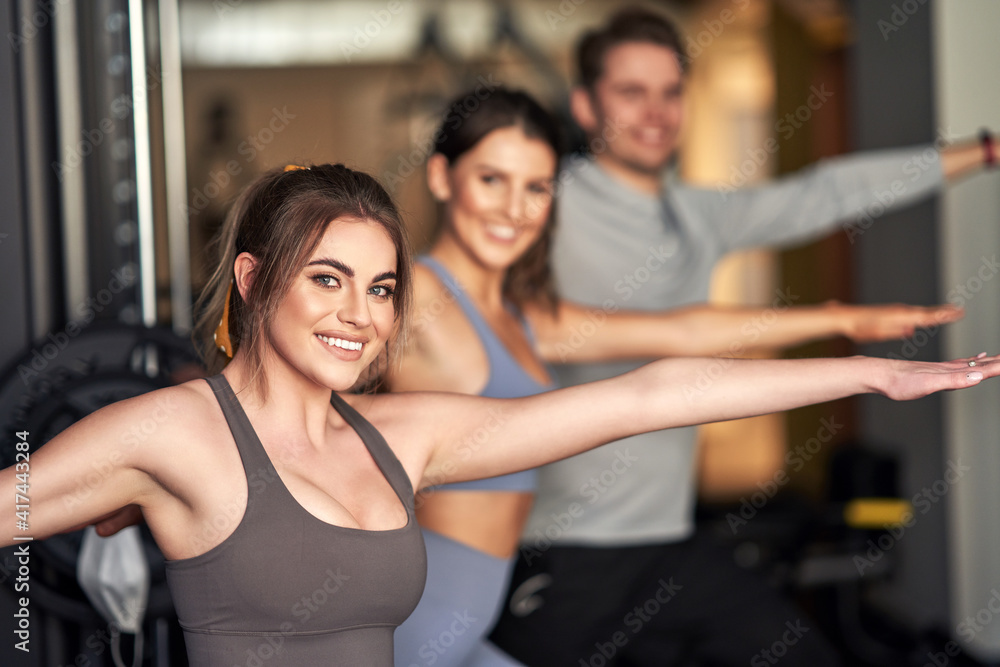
(500,196)
(338,313)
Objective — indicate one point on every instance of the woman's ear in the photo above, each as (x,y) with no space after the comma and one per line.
(437,177)
(244,268)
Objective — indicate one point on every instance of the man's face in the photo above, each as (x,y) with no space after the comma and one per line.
(637,106)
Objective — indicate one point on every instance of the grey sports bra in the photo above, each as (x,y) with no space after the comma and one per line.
(287,589)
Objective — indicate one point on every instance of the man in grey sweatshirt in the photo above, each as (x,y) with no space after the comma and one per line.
(611,571)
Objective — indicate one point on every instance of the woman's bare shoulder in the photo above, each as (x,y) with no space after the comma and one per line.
(435,308)
(427,288)
(183,402)
(441,344)
(389,407)
(404,411)
(168,415)
(429,302)
(404,419)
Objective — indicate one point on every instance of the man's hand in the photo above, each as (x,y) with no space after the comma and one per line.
(111,523)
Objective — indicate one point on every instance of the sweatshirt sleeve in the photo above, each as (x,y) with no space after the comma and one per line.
(851,191)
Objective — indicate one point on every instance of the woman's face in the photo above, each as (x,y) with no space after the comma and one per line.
(499,196)
(338,313)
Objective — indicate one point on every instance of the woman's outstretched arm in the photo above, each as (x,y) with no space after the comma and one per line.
(102,463)
(473,437)
(575,334)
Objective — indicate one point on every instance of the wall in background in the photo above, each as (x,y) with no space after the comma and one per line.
(964,39)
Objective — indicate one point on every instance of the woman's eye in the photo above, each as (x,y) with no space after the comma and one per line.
(489,179)
(540,189)
(382,291)
(326,280)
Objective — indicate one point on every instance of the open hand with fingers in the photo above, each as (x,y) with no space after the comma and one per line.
(868,324)
(907,380)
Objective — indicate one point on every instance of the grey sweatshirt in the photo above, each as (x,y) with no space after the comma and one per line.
(616,248)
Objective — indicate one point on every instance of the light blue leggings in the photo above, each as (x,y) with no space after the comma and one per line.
(462,599)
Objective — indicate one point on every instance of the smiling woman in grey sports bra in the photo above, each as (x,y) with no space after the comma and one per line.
(285,510)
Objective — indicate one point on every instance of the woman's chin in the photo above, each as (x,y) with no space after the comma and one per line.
(340,382)
(499,259)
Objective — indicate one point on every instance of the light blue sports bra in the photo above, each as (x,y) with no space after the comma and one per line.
(507,380)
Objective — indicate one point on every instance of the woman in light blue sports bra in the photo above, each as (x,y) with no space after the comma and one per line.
(470,335)
(486,321)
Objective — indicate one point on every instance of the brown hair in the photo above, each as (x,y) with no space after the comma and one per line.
(467,120)
(279,219)
(632,24)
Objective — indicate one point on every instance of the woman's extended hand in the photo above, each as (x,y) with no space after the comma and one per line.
(868,324)
(907,380)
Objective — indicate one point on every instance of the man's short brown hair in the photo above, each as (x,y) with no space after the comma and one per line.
(632,24)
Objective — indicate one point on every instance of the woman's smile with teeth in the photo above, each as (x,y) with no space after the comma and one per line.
(502,231)
(340,342)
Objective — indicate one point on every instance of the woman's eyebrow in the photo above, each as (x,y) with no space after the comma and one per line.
(334,263)
(385,275)
(489,166)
